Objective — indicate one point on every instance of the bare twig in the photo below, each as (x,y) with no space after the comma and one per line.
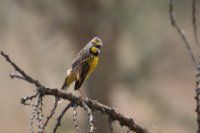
(181,32)
(25,99)
(58,123)
(75,119)
(194,22)
(18,69)
(188,47)
(16,76)
(91,118)
(52,112)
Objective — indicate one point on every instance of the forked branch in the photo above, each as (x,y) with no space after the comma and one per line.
(90,105)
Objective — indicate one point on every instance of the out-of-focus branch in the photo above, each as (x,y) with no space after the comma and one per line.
(42,91)
(191,53)
(181,32)
(194,22)
(110,125)
(197,97)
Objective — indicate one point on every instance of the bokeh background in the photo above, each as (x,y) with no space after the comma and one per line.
(144,69)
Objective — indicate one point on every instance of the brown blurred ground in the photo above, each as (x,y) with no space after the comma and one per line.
(154,78)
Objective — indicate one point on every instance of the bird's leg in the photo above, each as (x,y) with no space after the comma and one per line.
(82,94)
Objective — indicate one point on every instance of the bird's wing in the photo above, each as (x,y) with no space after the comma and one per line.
(82,56)
(82,75)
(80,64)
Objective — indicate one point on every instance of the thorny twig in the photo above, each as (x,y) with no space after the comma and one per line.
(181,32)
(93,105)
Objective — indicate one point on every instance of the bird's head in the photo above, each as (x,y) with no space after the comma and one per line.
(96,41)
(96,45)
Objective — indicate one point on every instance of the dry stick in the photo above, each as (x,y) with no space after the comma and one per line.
(194,22)
(187,44)
(25,99)
(18,69)
(17,76)
(52,113)
(181,32)
(58,123)
(112,113)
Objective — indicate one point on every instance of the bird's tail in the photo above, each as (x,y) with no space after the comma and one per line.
(64,88)
(68,80)
(65,85)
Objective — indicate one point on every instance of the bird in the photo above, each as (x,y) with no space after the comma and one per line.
(83,65)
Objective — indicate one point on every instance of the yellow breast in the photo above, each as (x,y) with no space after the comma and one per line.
(92,65)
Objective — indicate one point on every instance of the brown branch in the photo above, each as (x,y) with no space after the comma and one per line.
(25,99)
(188,47)
(113,114)
(197,97)
(194,22)
(12,76)
(52,112)
(18,69)
(58,123)
(181,32)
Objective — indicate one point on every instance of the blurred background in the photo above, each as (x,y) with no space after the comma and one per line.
(144,69)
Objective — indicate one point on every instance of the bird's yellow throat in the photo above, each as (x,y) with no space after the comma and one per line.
(93,65)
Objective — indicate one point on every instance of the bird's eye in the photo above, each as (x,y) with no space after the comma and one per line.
(96,40)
